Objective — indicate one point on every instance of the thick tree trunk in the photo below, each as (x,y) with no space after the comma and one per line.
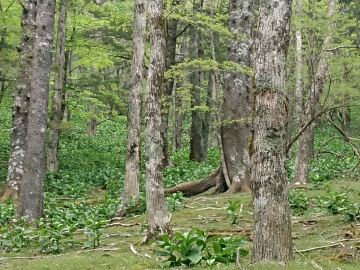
(158,220)
(133,151)
(31,201)
(168,86)
(305,143)
(59,85)
(196,137)
(21,103)
(235,132)
(272,225)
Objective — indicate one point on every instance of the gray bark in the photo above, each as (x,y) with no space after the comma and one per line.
(31,201)
(59,85)
(235,133)
(305,142)
(133,151)
(158,220)
(272,225)
(21,102)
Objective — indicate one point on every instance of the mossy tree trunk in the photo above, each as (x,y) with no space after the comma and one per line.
(21,102)
(31,201)
(133,150)
(271,211)
(235,130)
(157,218)
(52,163)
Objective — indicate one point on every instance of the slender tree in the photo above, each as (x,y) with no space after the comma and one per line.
(21,103)
(307,111)
(158,220)
(237,110)
(196,138)
(171,35)
(59,84)
(133,153)
(31,201)
(272,225)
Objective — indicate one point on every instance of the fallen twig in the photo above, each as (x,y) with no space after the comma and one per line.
(316,248)
(313,263)
(133,250)
(120,225)
(210,208)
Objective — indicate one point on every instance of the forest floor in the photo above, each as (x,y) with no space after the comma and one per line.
(321,240)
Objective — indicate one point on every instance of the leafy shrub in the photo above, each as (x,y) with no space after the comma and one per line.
(334,201)
(193,247)
(174,201)
(232,209)
(299,203)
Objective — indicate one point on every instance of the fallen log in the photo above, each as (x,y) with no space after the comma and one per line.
(197,187)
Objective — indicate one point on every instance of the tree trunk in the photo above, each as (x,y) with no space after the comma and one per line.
(235,131)
(196,137)
(272,225)
(31,201)
(178,103)
(305,143)
(91,125)
(133,151)
(301,160)
(158,220)
(168,86)
(65,102)
(21,102)
(59,85)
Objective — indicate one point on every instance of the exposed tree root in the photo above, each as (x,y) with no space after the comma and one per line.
(197,187)
(9,192)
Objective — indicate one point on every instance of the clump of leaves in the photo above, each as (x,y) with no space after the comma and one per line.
(137,206)
(299,203)
(193,247)
(175,201)
(334,201)
(232,209)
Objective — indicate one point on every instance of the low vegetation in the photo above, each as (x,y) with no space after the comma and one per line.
(80,231)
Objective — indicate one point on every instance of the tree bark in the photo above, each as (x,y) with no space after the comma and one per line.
(31,201)
(235,132)
(59,85)
(178,103)
(21,102)
(158,220)
(305,142)
(272,225)
(91,125)
(196,137)
(133,151)
(168,86)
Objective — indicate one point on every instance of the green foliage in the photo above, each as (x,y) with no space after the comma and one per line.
(232,210)
(193,247)
(175,201)
(299,203)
